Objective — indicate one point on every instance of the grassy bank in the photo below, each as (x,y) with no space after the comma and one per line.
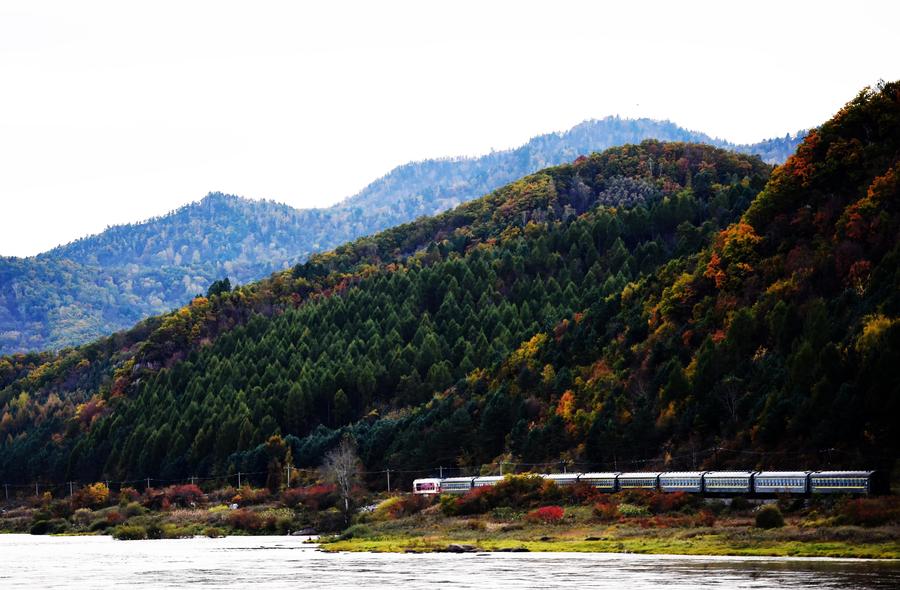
(729,536)
(524,514)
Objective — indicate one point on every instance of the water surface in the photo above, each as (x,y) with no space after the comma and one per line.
(287,562)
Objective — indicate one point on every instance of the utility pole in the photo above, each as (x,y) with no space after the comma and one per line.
(239,480)
(36,494)
(148,483)
(441,472)
(70,488)
(6,489)
(287,476)
(389,480)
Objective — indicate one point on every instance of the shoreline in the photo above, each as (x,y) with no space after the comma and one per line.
(495,547)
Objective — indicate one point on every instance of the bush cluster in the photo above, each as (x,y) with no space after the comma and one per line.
(769,517)
(546,515)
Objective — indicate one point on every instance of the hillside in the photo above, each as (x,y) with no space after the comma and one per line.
(107,282)
(659,305)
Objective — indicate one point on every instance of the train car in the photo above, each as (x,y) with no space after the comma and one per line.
(428,485)
(681,481)
(638,481)
(728,482)
(457,485)
(562,479)
(605,482)
(781,482)
(486,480)
(843,482)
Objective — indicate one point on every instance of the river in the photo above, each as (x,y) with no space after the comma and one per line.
(288,562)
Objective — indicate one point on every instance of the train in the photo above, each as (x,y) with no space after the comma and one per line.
(708,483)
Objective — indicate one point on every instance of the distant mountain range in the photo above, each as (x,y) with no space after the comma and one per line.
(106,282)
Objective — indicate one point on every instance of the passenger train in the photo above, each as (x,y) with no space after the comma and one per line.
(710,483)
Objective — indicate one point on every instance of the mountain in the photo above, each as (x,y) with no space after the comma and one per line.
(656,305)
(107,282)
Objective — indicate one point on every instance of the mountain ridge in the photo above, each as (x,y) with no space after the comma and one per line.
(131,271)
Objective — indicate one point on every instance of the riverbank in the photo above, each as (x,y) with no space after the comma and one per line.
(713,529)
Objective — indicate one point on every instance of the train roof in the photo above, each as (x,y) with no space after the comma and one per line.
(427,479)
(561,475)
(782,473)
(599,474)
(490,477)
(681,473)
(844,473)
(640,474)
(467,478)
(729,473)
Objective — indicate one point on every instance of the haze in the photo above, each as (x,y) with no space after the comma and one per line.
(112,112)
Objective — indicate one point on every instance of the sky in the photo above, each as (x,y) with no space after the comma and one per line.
(113,112)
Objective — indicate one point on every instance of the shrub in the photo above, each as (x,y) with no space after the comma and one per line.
(132,509)
(769,517)
(739,504)
(449,505)
(546,514)
(663,502)
(632,510)
(869,511)
(155,499)
(213,532)
(248,496)
(317,497)
(98,525)
(83,517)
(705,518)
(606,511)
(113,517)
(330,520)
(49,527)
(94,495)
(184,495)
(128,532)
(476,501)
(154,531)
(399,506)
(127,495)
(244,520)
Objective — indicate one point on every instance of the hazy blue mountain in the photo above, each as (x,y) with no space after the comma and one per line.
(106,282)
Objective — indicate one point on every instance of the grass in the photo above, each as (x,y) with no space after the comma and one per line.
(429,533)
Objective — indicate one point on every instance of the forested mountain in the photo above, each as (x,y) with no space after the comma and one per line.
(653,305)
(107,282)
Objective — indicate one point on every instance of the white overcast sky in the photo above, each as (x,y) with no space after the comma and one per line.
(112,112)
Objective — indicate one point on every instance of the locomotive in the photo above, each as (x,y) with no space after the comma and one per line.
(708,483)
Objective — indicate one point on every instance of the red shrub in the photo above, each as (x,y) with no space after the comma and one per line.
(870,511)
(546,514)
(476,501)
(155,499)
(184,495)
(317,497)
(606,510)
(114,518)
(244,519)
(661,502)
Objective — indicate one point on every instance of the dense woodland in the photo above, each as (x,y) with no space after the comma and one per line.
(653,305)
(94,286)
